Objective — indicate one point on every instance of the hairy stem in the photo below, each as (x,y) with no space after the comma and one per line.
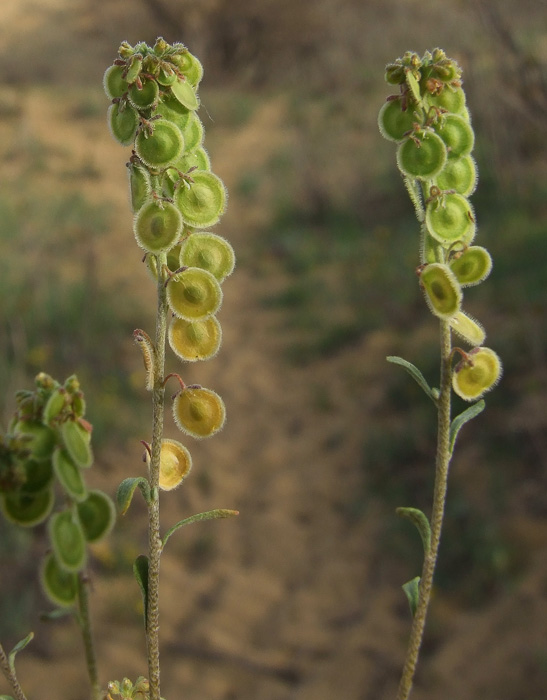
(9,673)
(154,536)
(439,497)
(85,626)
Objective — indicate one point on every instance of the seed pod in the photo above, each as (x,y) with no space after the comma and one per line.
(457,134)
(189,66)
(450,99)
(423,159)
(468,328)
(166,76)
(69,475)
(161,148)
(473,377)
(55,405)
(27,509)
(67,541)
(114,84)
(183,91)
(61,587)
(197,159)
(194,294)
(139,186)
(172,261)
(134,69)
(450,218)
(172,110)
(157,226)
(39,439)
(38,475)
(77,441)
(393,122)
(97,515)
(442,291)
(459,174)
(208,252)
(78,404)
(175,464)
(199,412)
(144,97)
(123,120)
(472,266)
(195,340)
(192,133)
(202,202)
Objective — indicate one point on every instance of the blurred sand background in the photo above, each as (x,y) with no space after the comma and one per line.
(300,597)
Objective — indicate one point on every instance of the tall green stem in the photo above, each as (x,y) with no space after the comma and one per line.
(154,536)
(439,497)
(85,626)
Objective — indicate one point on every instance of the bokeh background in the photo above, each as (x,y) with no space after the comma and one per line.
(299,597)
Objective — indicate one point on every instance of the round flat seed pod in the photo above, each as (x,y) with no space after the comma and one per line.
(67,541)
(157,226)
(114,84)
(393,122)
(195,340)
(39,439)
(69,475)
(170,108)
(197,159)
(38,475)
(175,464)
(468,328)
(166,76)
(192,133)
(144,97)
(459,174)
(442,291)
(449,99)
(27,509)
(183,91)
(55,405)
(470,382)
(189,66)
(77,442)
(123,120)
(61,587)
(457,134)
(450,219)
(472,266)
(139,186)
(203,202)
(161,148)
(194,294)
(209,252)
(424,159)
(97,515)
(199,412)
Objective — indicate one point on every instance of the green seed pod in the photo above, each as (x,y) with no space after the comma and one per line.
(39,439)
(468,328)
(199,412)
(395,74)
(97,515)
(166,76)
(459,174)
(123,121)
(183,91)
(195,340)
(457,134)
(189,66)
(471,379)
(442,291)
(114,84)
(67,541)
(38,475)
(157,226)
(77,441)
(172,110)
(202,202)
(472,266)
(69,475)
(197,159)
(78,404)
(55,405)
(424,159)
(209,252)
(450,218)
(134,69)
(27,509)
(194,294)
(139,186)
(144,97)
(175,464)
(172,261)
(449,99)
(428,248)
(192,133)
(161,148)
(61,587)
(393,122)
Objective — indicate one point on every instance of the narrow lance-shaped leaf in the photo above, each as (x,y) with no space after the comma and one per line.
(462,419)
(412,592)
(420,521)
(126,489)
(17,648)
(140,569)
(208,515)
(415,374)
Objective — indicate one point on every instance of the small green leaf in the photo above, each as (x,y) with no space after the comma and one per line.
(140,569)
(126,489)
(55,614)
(420,521)
(17,648)
(415,374)
(462,419)
(208,515)
(412,592)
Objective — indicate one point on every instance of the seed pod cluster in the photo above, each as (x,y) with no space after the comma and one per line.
(429,121)
(46,451)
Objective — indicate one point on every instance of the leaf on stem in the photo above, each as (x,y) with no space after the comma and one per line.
(415,374)
(17,648)
(208,515)
(140,569)
(126,489)
(420,521)
(462,419)
(412,592)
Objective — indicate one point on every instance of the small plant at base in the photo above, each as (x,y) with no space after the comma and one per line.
(430,124)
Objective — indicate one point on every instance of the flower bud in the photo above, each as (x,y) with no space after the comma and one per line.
(194,294)
(175,464)
(202,202)
(67,541)
(69,475)
(476,375)
(422,159)
(450,218)
(183,91)
(459,174)
(27,509)
(442,291)
(123,121)
(97,515)
(468,328)
(60,586)
(157,226)
(208,252)
(393,122)
(472,266)
(457,134)
(199,412)
(195,340)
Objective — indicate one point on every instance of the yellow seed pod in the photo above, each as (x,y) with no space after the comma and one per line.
(474,377)
(157,226)
(162,147)
(192,133)
(459,174)
(175,464)
(450,218)
(199,412)
(194,294)
(456,132)
(209,252)
(139,186)
(113,82)
(145,96)
(393,122)
(442,291)
(203,201)
(123,120)
(195,340)
(183,91)
(468,328)
(422,159)
(472,266)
